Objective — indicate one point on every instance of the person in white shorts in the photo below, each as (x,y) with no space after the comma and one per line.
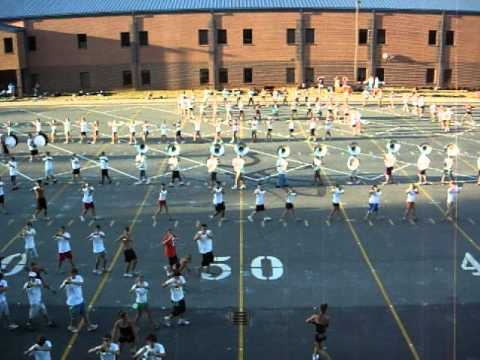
(212,166)
(259,203)
(13,171)
(162,203)
(75,163)
(107,350)
(29,234)
(67,128)
(33,288)
(87,201)
(452,199)
(41,350)
(98,244)
(4,310)
(289,204)
(49,168)
(336,191)
(410,208)
(204,240)
(83,130)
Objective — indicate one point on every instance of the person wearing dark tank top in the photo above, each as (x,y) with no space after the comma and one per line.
(124,333)
(321,321)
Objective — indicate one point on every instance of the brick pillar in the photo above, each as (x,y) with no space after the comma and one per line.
(134,52)
(19,82)
(442,28)
(300,53)
(212,52)
(372,44)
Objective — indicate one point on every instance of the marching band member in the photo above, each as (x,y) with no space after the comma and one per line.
(410,209)
(238,164)
(87,201)
(67,128)
(13,171)
(448,165)
(114,125)
(423,163)
(75,163)
(132,130)
(53,130)
(95,131)
(452,198)
(254,128)
(174,166)
(282,166)
(212,165)
(32,147)
(145,131)
(104,167)
(389,160)
(49,168)
(373,202)
(141,163)
(83,130)
(353,163)
(336,192)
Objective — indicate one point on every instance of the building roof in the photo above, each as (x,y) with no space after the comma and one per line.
(10,28)
(19,9)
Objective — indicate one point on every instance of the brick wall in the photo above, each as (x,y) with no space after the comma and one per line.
(174,56)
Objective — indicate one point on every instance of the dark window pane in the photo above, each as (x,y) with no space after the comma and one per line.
(204,76)
(361,74)
(450,38)
(125,39)
(143,38)
(32,43)
(247,75)
(290,36)
(380,73)
(247,36)
(221,36)
(430,76)
(362,36)
(290,75)
(145,74)
(432,37)
(309,75)
(223,76)
(381,36)
(202,37)
(127,78)
(82,41)
(309,36)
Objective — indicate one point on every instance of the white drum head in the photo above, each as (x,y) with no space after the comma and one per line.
(40,140)
(11,141)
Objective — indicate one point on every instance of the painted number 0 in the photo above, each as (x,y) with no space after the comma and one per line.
(262,267)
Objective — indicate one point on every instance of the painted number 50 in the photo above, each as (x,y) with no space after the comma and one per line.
(262,267)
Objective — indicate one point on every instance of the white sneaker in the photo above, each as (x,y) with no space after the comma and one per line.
(82,219)
(147,182)
(12,326)
(92,327)
(183,322)
(266,218)
(128,275)
(138,182)
(249,217)
(234,187)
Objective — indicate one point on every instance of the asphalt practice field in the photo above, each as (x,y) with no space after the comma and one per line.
(396,290)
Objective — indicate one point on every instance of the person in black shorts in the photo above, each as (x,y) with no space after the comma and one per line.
(129,253)
(321,321)
(41,201)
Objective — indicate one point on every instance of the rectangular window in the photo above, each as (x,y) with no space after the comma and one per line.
(32,43)
(361,74)
(127,78)
(247,75)
(202,37)
(221,36)
(290,36)
(450,38)
(84,80)
(380,73)
(309,75)
(447,76)
(143,38)
(430,76)
(8,45)
(223,76)
(82,41)
(247,36)
(145,75)
(362,36)
(290,76)
(125,39)
(432,37)
(204,76)
(381,36)
(309,36)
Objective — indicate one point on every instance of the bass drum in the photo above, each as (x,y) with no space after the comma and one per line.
(11,141)
(40,140)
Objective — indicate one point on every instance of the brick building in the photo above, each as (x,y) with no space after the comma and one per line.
(172,44)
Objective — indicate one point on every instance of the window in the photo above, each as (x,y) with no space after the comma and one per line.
(432,37)
(145,75)
(32,43)
(247,75)
(430,76)
(290,36)
(447,76)
(247,36)
(361,74)
(363,36)
(143,38)
(450,38)
(309,76)
(84,80)
(309,36)
(290,75)
(82,41)
(221,36)
(380,73)
(204,76)
(381,36)
(202,37)
(125,39)
(223,76)
(127,78)
(8,45)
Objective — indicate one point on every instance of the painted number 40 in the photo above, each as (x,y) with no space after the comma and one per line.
(470,264)
(261,267)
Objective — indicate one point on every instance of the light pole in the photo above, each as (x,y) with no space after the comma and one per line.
(355,58)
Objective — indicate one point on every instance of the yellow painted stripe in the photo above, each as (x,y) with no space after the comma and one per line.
(241,290)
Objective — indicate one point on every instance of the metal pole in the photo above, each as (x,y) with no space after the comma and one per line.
(355,59)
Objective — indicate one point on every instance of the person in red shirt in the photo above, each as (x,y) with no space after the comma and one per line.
(169,248)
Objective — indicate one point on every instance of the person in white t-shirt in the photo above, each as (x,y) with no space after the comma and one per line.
(87,201)
(177,297)
(410,210)
(33,288)
(73,286)
(63,247)
(317,170)
(238,164)
(32,147)
(145,131)
(162,203)
(389,160)
(336,192)
(452,198)
(218,202)
(104,167)
(13,172)
(204,240)
(4,310)
(83,130)
(2,197)
(373,202)
(41,350)
(174,167)
(259,203)
(132,130)
(67,128)
(289,204)
(107,350)
(141,163)
(49,168)
(114,126)
(423,163)
(29,234)
(282,170)
(141,289)
(152,351)
(98,244)
(212,166)
(448,165)
(75,162)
